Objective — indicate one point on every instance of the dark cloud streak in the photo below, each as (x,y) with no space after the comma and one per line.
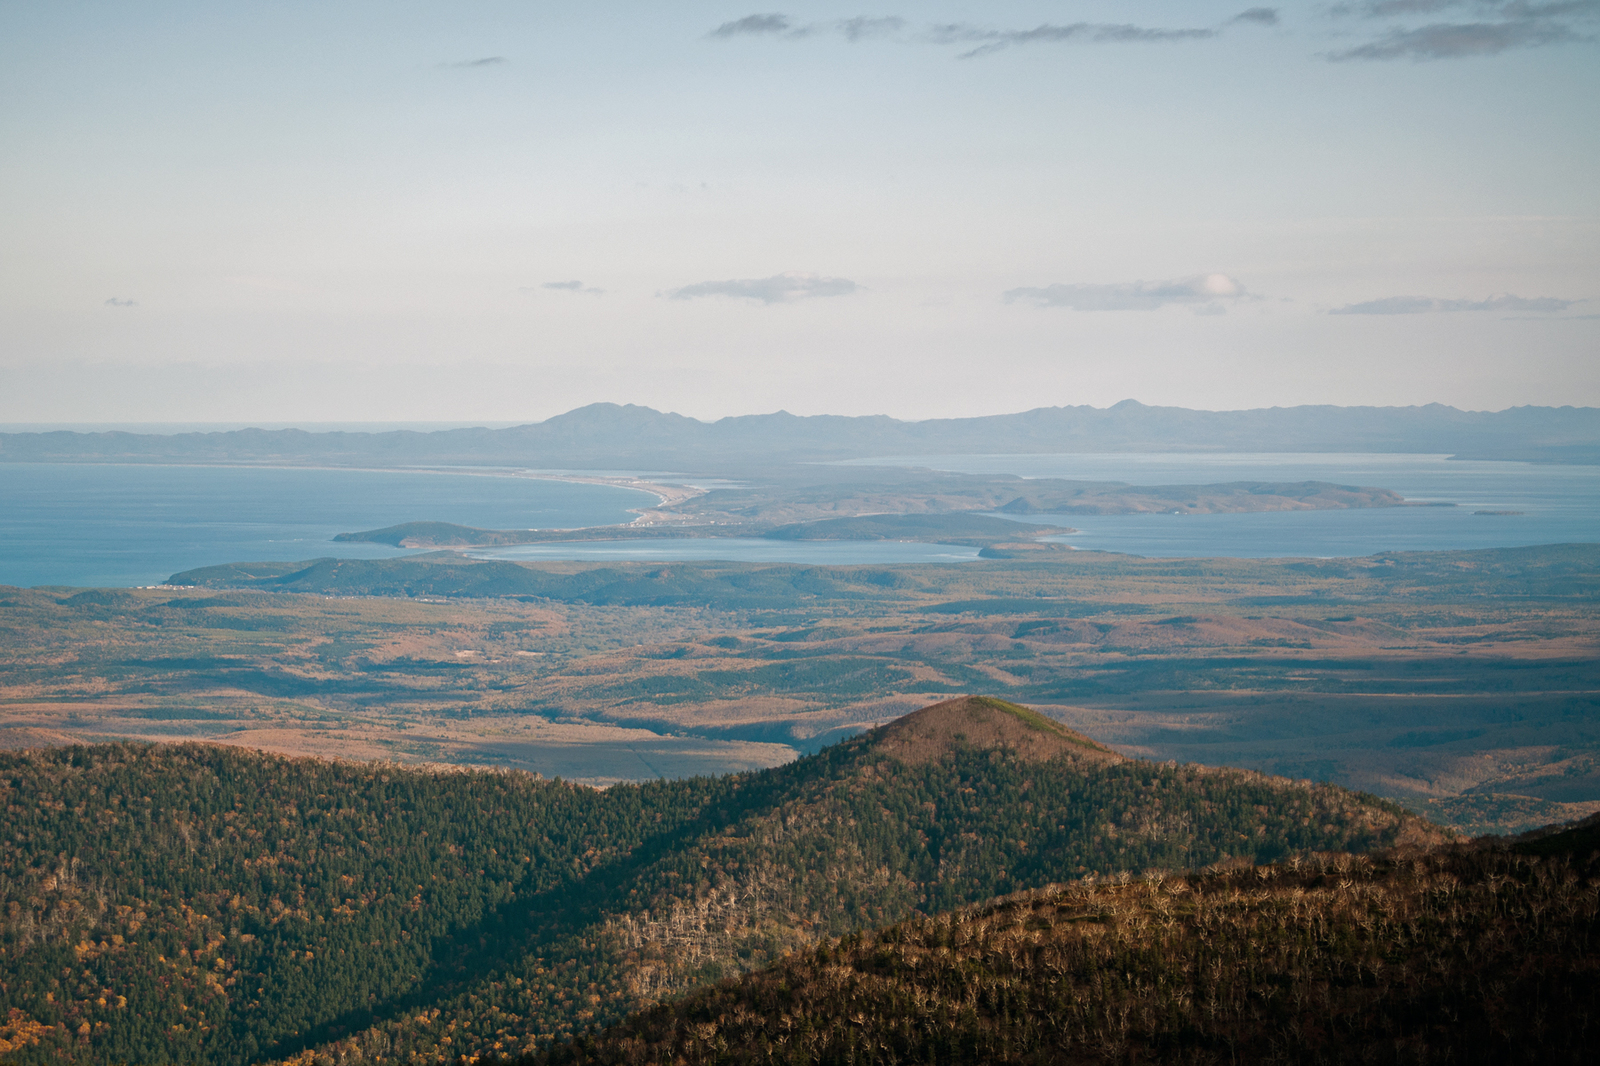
(1500,26)
(1097,33)
(754,26)
(986,39)
(1459,40)
(1261,16)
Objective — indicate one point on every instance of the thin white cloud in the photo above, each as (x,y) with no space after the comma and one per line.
(469,64)
(780,288)
(117,301)
(1204,291)
(1421,305)
(572,286)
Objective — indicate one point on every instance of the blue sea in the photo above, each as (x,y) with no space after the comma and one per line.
(123,525)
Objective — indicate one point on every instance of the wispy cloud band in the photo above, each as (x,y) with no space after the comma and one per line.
(780,288)
(860,28)
(1481,28)
(1419,305)
(986,39)
(1205,290)
(1499,26)
(572,286)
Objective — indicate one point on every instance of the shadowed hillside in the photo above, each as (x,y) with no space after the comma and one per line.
(1481,953)
(197,904)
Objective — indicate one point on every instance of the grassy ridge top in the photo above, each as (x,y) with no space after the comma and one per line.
(987,724)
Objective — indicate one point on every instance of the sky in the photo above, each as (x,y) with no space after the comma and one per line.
(352,210)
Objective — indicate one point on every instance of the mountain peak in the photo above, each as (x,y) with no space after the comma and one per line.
(984,722)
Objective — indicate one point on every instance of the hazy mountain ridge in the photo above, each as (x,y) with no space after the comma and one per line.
(606,434)
(206,904)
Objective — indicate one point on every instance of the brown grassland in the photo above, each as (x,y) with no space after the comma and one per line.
(1464,684)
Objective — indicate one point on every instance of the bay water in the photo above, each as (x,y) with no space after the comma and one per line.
(1489,504)
(122,525)
(117,525)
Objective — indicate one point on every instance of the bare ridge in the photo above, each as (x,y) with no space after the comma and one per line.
(984,723)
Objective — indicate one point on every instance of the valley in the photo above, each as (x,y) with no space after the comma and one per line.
(1463,684)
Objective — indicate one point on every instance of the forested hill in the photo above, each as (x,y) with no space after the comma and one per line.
(200,904)
(1465,953)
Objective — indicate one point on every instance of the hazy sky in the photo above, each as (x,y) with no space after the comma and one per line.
(353,209)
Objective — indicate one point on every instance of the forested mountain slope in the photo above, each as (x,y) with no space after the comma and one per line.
(1465,953)
(199,904)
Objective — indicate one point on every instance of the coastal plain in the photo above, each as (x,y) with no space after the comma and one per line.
(1463,684)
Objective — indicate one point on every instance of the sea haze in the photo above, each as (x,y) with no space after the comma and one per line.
(121,525)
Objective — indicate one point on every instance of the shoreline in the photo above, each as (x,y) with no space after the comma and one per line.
(666,495)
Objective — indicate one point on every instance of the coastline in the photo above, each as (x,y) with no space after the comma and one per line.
(666,495)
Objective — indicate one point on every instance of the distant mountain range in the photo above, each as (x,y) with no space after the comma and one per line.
(605,435)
